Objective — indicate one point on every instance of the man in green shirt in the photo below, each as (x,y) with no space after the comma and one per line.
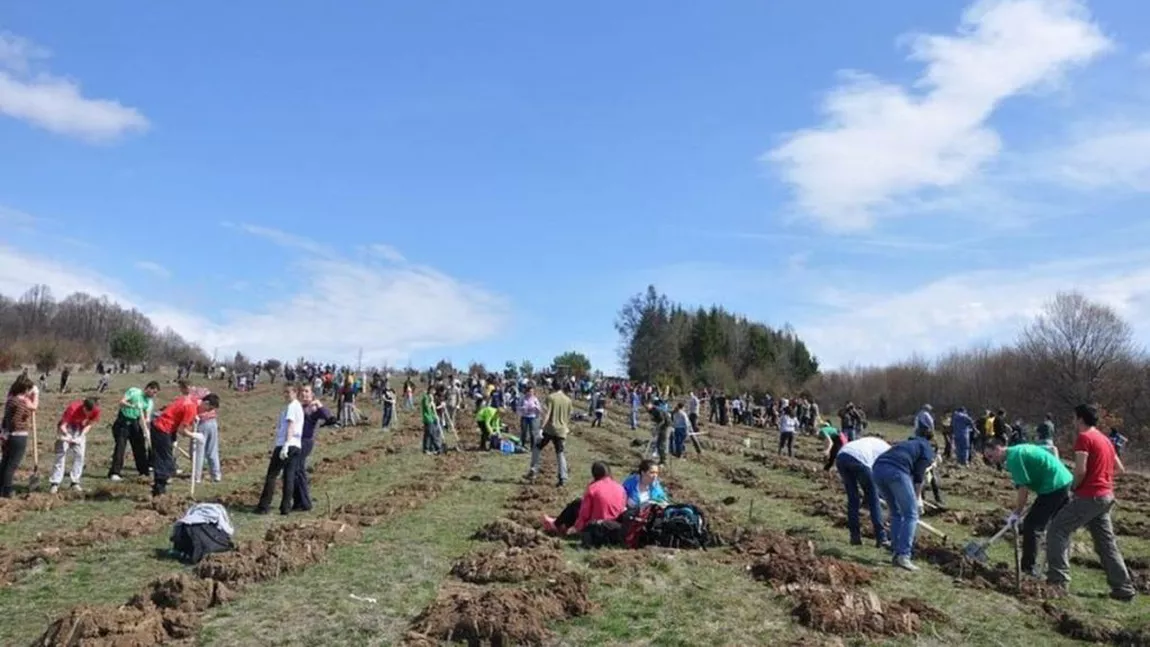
(556,415)
(129,428)
(489,423)
(1033,469)
(432,436)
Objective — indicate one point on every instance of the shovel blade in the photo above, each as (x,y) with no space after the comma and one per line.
(975,551)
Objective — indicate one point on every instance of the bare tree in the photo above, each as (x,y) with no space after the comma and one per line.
(1073,343)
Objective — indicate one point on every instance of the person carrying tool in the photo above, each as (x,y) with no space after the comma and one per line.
(489,423)
(130,429)
(1032,469)
(178,417)
(854,463)
(72,437)
(899,474)
(1094,464)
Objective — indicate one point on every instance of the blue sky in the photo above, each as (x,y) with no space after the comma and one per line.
(492,180)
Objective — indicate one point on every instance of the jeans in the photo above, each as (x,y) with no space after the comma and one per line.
(388,413)
(634,418)
(787,440)
(560,455)
(74,443)
(163,464)
(897,489)
(679,442)
(1094,514)
(1041,512)
(14,448)
(211,431)
(277,466)
(301,492)
(526,430)
(962,447)
(127,432)
(432,438)
(856,477)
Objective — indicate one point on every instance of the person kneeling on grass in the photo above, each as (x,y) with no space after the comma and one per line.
(604,500)
(489,424)
(1032,468)
(643,487)
(899,474)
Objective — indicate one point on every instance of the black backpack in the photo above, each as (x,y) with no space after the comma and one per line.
(604,533)
(678,526)
(193,542)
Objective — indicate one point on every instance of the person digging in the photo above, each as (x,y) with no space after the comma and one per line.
(489,424)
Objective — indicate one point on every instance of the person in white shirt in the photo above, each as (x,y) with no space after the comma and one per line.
(854,464)
(285,454)
(788,425)
(693,412)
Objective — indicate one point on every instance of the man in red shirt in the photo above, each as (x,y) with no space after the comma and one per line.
(604,500)
(178,417)
(1093,488)
(72,436)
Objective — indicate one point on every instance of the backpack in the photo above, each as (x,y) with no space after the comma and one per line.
(678,526)
(193,543)
(635,522)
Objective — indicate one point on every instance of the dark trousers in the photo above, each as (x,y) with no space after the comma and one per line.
(948,436)
(570,514)
(388,413)
(788,441)
(128,432)
(277,466)
(14,448)
(1041,512)
(694,418)
(301,492)
(484,436)
(598,421)
(935,485)
(856,477)
(163,463)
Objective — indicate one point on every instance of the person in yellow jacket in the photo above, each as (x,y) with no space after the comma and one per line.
(489,423)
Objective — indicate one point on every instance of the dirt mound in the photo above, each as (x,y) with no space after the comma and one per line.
(743,476)
(513,534)
(284,549)
(779,571)
(511,565)
(107,529)
(999,577)
(769,542)
(169,505)
(502,616)
(90,626)
(182,593)
(859,613)
(1078,628)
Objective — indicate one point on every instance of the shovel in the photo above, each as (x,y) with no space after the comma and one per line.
(34,480)
(976,551)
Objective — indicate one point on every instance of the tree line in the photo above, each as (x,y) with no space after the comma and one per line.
(666,343)
(1074,351)
(36,329)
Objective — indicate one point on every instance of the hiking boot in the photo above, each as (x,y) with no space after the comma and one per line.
(903,562)
(54,489)
(855,541)
(1122,596)
(115,478)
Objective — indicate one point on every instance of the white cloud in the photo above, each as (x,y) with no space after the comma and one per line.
(1143,59)
(387,253)
(962,309)
(1118,157)
(883,143)
(336,309)
(154,268)
(15,218)
(57,104)
(282,238)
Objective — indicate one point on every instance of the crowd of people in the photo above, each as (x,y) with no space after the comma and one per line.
(871,469)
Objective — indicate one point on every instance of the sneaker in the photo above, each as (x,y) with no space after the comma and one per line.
(115,478)
(76,487)
(560,483)
(217,479)
(883,544)
(905,564)
(54,489)
(1122,596)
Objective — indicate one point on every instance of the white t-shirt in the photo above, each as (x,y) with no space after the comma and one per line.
(293,412)
(788,424)
(865,450)
(644,497)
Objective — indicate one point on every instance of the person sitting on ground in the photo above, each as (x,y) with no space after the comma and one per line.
(604,500)
(489,424)
(643,487)
(1032,468)
(835,442)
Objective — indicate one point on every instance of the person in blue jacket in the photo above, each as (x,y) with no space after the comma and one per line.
(899,474)
(643,487)
(963,427)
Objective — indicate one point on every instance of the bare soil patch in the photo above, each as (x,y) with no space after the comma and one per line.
(510,565)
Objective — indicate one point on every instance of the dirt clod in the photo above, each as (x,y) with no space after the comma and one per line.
(513,534)
(859,613)
(511,565)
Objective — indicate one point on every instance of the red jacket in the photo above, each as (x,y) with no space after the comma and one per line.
(604,500)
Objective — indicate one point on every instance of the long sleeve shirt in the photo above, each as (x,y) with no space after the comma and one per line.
(604,500)
(911,456)
(313,415)
(923,422)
